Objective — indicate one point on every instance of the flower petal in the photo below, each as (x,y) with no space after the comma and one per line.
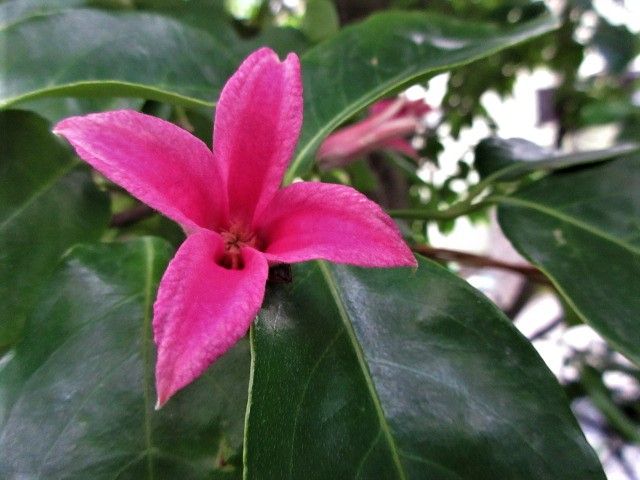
(402,146)
(310,220)
(379,130)
(257,123)
(202,309)
(159,163)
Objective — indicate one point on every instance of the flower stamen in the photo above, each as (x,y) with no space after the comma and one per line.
(235,238)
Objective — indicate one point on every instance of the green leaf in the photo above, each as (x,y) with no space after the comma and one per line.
(509,159)
(383,54)
(582,229)
(180,53)
(77,397)
(320,20)
(55,109)
(400,374)
(47,204)
(90,52)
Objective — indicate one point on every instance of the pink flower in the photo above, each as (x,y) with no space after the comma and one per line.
(237,218)
(387,126)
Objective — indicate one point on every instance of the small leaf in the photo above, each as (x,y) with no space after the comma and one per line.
(320,20)
(400,374)
(513,158)
(47,204)
(77,397)
(582,229)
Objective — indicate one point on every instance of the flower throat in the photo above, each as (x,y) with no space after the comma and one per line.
(236,237)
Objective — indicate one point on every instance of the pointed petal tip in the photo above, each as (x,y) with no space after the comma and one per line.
(164,393)
(194,321)
(312,220)
(293,58)
(60,127)
(405,258)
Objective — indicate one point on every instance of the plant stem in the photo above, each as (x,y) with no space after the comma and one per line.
(131,216)
(599,395)
(480,261)
(456,210)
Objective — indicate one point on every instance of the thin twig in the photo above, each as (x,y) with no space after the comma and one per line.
(131,216)
(480,261)
(544,331)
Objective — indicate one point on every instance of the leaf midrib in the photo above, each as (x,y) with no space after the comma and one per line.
(344,316)
(149,256)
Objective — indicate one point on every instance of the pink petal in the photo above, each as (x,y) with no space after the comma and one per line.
(159,163)
(310,220)
(416,108)
(257,123)
(382,105)
(370,134)
(403,146)
(202,309)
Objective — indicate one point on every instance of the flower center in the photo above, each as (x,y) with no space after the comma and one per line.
(236,237)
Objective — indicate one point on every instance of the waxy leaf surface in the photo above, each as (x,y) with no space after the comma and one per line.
(582,229)
(508,159)
(77,396)
(181,52)
(117,53)
(47,204)
(399,374)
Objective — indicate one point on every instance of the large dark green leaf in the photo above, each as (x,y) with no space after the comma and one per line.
(77,397)
(47,204)
(93,52)
(400,374)
(384,53)
(180,53)
(507,159)
(582,229)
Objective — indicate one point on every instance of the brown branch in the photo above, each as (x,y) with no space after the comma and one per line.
(131,216)
(479,261)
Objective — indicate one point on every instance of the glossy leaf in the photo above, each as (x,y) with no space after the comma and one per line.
(77,397)
(401,374)
(582,229)
(47,203)
(508,159)
(140,54)
(381,55)
(180,53)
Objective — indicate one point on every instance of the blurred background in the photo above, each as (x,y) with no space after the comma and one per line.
(575,89)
